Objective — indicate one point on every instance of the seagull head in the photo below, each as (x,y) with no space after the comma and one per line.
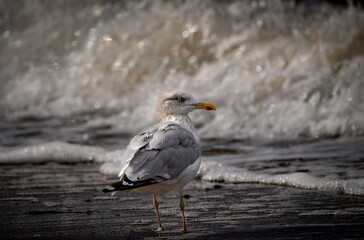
(179,103)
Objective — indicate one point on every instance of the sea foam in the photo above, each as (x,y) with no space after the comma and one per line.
(216,172)
(212,168)
(60,152)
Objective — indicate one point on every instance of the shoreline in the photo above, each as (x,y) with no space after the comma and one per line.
(64,201)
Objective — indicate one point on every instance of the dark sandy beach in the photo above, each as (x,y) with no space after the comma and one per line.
(63,201)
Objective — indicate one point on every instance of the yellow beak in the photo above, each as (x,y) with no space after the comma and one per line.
(205,105)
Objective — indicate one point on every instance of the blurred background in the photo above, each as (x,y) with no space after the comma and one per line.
(274,69)
(78,78)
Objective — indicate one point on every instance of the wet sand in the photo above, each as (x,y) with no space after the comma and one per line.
(63,201)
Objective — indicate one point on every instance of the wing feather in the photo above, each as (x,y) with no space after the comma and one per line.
(160,152)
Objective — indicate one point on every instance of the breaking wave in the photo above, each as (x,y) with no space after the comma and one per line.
(274,69)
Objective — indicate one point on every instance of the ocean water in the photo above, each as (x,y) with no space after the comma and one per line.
(78,79)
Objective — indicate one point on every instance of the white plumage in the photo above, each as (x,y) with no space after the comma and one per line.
(166,156)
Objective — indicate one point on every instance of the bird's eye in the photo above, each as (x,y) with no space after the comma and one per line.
(180,99)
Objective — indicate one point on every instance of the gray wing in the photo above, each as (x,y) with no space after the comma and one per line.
(160,152)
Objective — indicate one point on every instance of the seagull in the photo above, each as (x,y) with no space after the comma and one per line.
(165,157)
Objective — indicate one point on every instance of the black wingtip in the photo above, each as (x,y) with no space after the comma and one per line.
(105,190)
(119,185)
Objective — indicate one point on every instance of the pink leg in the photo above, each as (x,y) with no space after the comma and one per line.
(182,206)
(156,204)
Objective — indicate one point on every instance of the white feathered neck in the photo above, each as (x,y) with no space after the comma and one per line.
(183,120)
